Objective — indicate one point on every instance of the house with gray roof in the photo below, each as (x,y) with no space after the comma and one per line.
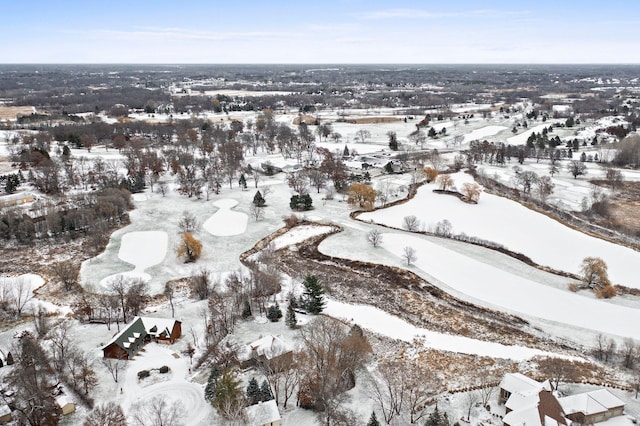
(140,331)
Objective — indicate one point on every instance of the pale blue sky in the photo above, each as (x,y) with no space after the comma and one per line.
(329,31)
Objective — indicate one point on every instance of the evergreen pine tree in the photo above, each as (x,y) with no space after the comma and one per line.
(227,390)
(373,420)
(246,310)
(265,391)
(274,313)
(258,199)
(9,358)
(253,392)
(290,319)
(212,384)
(242,182)
(1,363)
(313,299)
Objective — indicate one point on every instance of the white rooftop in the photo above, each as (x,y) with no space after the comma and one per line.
(262,413)
(63,400)
(593,402)
(523,385)
(270,346)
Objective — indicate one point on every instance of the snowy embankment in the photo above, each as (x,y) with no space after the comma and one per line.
(483,132)
(226,222)
(500,220)
(383,323)
(142,249)
(513,293)
(19,291)
(298,235)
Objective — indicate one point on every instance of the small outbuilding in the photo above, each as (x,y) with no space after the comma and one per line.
(263,414)
(5,414)
(65,404)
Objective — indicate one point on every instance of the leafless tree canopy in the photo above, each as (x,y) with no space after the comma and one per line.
(158,412)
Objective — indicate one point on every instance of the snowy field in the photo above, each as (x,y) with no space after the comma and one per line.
(483,132)
(472,273)
(142,249)
(226,222)
(500,220)
(513,293)
(380,322)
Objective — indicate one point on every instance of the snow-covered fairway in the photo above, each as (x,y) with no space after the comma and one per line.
(544,240)
(226,222)
(483,132)
(378,321)
(514,293)
(142,249)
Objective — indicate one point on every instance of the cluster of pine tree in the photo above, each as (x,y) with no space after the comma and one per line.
(256,394)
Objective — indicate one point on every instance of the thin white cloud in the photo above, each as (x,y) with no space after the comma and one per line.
(181,34)
(425,14)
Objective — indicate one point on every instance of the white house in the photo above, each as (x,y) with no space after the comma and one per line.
(263,414)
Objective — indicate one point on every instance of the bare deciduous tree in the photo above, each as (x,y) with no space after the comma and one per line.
(158,412)
(22,294)
(409,255)
(445,182)
(200,283)
(114,366)
(256,212)
(374,237)
(109,414)
(67,273)
(188,222)
(411,223)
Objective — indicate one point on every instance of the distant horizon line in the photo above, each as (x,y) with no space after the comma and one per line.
(322,63)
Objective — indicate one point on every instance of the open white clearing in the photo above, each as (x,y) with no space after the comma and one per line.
(226,222)
(173,387)
(142,249)
(379,321)
(500,220)
(483,132)
(513,293)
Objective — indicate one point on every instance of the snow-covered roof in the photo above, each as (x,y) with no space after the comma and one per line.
(157,326)
(262,413)
(63,400)
(270,346)
(523,385)
(539,409)
(529,416)
(518,401)
(4,410)
(588,403)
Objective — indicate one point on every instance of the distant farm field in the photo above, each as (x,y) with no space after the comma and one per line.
(12,112)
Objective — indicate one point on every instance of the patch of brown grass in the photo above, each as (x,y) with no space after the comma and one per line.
(12,112)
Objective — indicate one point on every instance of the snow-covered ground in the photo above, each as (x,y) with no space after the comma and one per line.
(500,220)
(469,272)
(142,249)
(483,132)
(226,222)
(513,293)
(380,322)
